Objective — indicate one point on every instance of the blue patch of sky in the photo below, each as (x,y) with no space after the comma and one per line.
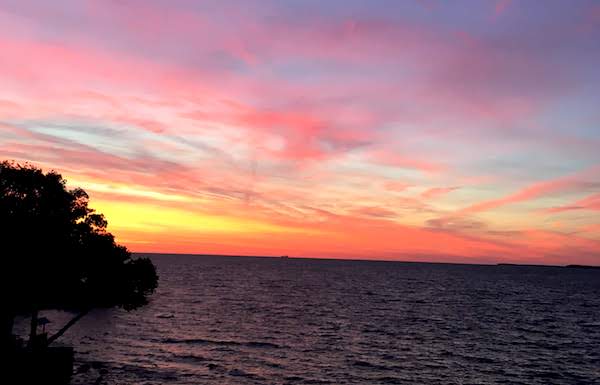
(105,138)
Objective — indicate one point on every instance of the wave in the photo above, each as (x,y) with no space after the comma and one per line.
(203,341)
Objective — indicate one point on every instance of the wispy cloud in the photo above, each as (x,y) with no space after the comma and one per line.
(536,190)
(591,202)
(435,192)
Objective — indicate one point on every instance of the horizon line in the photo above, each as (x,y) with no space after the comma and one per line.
(363,260)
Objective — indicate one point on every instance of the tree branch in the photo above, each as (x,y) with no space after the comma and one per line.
(67,326)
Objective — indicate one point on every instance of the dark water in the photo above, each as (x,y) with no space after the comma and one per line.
(219,320)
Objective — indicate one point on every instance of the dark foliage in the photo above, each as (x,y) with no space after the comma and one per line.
(56,253)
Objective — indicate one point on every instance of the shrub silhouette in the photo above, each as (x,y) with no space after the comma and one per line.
(57,254)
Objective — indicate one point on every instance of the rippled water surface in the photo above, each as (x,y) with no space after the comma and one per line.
(226,320)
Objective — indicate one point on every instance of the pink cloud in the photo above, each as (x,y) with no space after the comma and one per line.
(591,202)
(397,159)
(501,6)
(396,186)
(307,134)
(437,192)
(590,19)
(536,190)
(593,229)
(147,124)
(375,212)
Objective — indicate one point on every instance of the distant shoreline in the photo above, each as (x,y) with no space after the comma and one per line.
(582,267)
(564,266)
(571,266)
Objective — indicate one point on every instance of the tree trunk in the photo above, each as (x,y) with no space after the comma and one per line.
(33,327)
(7,321)
(67,326)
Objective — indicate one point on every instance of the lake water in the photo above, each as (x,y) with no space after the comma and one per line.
(229,320)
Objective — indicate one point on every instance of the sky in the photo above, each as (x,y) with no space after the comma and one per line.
(447,131)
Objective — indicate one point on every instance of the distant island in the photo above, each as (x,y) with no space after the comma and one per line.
(525,265)
(566,266)
(582,267)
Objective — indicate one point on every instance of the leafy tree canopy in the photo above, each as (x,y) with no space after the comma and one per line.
(56,252)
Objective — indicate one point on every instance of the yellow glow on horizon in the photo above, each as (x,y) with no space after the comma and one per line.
(154,218)
(121,189)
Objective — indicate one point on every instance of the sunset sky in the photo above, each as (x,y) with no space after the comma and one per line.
(463,131)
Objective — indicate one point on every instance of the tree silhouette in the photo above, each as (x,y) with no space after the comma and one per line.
(57,254)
